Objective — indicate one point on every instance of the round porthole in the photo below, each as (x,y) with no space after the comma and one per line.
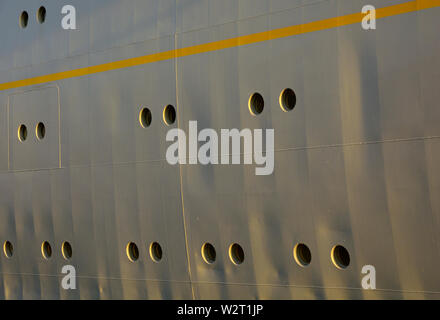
(340,257)
(145,118)
(22,133)
(40,131)
(208,253)
(287,100)
(41,15)
(132,252)
(8,249)
(155,252)
(256,104)
(169,115)
(66,250)
(302,255)
(46,250)
(236,254)
(24,19)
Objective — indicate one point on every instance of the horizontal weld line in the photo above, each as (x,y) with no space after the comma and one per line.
(221,283)
(407,7)
(363,143)
(116,164)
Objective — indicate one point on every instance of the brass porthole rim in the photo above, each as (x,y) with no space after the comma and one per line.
(299,260)
(144,124)
(20,138)
(164,115)
(40,19)
(63,250)
(281,100)
(45,254)
(231,255)
(21,19)
(5,249)
(40,136)
(151,251)
(205,258)
(128,252)
(334,260)
(250,107)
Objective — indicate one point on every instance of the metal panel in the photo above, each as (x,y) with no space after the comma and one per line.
(356,161)
(30,109)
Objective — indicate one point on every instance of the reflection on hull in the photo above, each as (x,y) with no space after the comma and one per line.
(84,179)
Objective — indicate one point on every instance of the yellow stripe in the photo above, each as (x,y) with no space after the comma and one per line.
(335,22)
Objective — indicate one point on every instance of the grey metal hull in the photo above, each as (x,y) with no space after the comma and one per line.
(356,161)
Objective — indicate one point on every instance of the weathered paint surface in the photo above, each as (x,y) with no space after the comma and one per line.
(356,161)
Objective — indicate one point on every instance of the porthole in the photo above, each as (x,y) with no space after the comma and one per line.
(208,253)
(24,19)
(41,15)
(340,257)
(236,254)
(169,115)
(22,133)
(287,100)
(8,249)
(155,252)
(256,104)
(132,252)
(46,250)
(302,255)
(145,117)
(40,131)
(66,250)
